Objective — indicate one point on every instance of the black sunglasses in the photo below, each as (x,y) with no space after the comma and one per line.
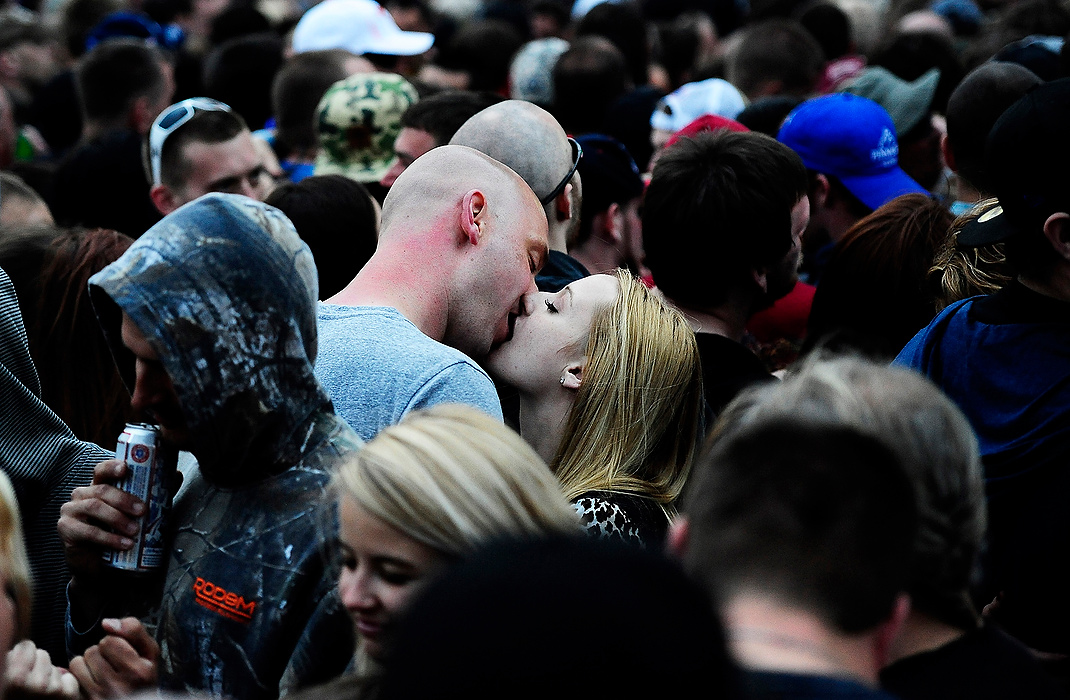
(577,153)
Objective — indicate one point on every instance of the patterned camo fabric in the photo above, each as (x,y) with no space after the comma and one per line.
(358,120)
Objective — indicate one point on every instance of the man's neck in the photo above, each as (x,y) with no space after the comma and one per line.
(921,633)
(596,257)
(728,319)
(1056,285)
(765,635)
(403,283)
(963,191)
(557,236)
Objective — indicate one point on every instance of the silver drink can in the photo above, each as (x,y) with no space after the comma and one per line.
(147,469)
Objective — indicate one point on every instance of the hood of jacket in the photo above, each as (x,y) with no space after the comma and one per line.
(225,291)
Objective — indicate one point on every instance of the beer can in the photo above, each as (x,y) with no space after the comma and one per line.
(147,469)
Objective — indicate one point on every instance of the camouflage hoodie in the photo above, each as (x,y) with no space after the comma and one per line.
(225,292)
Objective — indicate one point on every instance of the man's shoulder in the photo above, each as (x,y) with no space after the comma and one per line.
(369,333)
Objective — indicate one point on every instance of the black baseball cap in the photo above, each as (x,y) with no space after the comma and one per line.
(1026,157)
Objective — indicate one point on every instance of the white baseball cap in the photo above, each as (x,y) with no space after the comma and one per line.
(358,26)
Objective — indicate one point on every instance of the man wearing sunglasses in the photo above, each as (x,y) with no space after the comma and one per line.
(199,146)
(529,140)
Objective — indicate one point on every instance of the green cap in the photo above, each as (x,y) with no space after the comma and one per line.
(358,121)
(907,102)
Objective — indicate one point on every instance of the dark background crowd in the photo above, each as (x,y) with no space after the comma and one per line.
(770,298)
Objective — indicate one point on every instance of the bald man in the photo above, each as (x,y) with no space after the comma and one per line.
(462,237)
(530,140)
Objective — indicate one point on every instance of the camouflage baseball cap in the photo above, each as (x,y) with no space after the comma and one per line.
(358,120)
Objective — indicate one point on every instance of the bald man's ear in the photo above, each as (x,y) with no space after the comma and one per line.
(563,204)
(473,216)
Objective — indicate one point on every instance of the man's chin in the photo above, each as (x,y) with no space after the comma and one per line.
(176,437)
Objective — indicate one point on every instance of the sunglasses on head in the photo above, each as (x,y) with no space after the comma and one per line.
(577,153)
(170,120)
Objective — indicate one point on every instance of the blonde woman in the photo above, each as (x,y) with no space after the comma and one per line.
(610,392)
(23,666)
(427,492)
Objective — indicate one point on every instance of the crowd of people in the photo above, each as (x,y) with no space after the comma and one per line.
(528,347)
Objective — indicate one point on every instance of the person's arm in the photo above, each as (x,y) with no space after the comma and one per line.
(98,517)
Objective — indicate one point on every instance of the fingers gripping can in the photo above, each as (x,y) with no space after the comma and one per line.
(148,467)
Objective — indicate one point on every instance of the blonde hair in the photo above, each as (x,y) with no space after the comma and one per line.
(13,561)
(453,478)
(959,273)
(633,426)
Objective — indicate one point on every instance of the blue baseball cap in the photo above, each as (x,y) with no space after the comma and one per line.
(853,139)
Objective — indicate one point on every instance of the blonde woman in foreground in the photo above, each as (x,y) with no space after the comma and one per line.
(22,666)
(610,393)
(427,492)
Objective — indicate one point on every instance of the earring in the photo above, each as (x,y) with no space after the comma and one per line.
(562,381)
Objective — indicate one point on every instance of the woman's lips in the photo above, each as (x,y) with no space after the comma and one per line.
(368,629)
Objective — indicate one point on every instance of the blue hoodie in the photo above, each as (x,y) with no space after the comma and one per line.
(225,292)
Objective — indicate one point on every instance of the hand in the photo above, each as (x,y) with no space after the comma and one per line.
(30,674)
(123,662)
(98,517)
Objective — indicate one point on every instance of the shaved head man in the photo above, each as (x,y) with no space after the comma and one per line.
(462,237)
(529,140)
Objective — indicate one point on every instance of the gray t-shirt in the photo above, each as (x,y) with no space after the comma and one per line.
(377,366)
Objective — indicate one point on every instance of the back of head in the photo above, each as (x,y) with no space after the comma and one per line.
(540,627)
(974,107)
(524,137)
(20,204)
(830,26)
(443,114)
(454,479)
(297,89)
(81,386)
(114,74)
(357,120)
(622,24)
(960,272)
(240,72)
(482,50)
(874,294)
(776,57)
(531,72)
(587,79)
(202,285)
(436,182)
(633,425)
(936,449)
(609,176)
(14,565)
(717,207)
(814,514)
(910,55)
(337,218)
(1025,139)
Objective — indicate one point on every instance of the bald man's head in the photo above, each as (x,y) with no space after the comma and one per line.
(481,229)
(439,179)
(525,137)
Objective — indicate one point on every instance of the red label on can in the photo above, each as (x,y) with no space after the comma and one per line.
(139,453)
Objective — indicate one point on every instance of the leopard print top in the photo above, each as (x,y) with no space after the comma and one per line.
(625,518)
